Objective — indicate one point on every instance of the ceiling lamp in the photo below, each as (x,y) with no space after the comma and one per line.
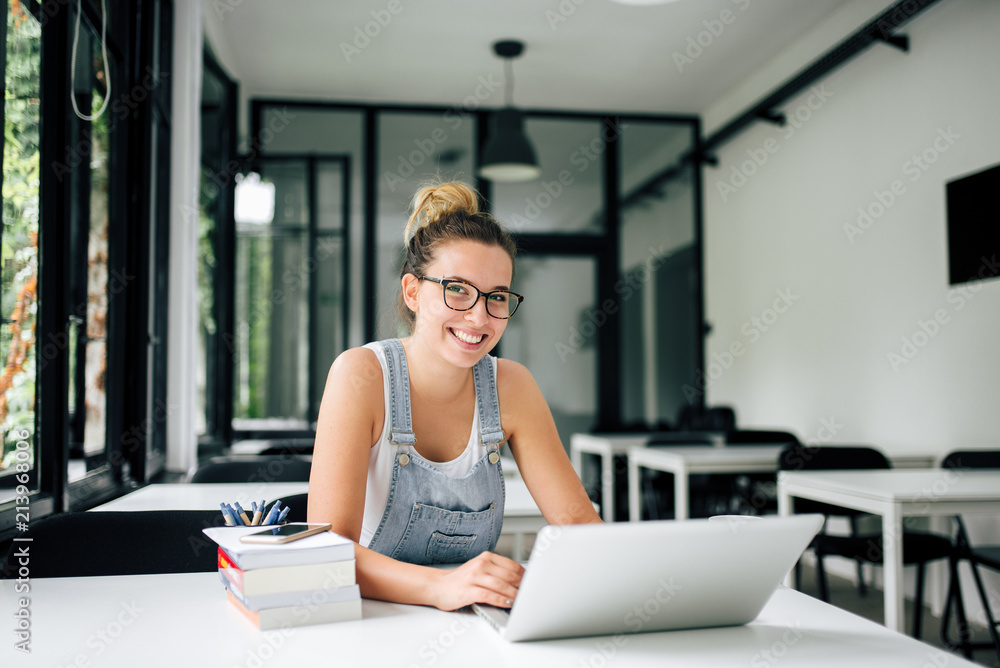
(508,155)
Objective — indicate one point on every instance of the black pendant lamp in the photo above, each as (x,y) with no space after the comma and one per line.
(508,155)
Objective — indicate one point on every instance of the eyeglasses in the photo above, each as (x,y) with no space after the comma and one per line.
(462,296)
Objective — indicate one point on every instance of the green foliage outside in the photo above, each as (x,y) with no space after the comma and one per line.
(21,167)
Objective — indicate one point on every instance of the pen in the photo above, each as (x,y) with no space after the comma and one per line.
(241,514)
(225,515)
(258,511)
(232,516)
(281,517)
(273,513)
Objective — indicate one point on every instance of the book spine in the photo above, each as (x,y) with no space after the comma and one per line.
(297,578)
(252,615)
(231,571)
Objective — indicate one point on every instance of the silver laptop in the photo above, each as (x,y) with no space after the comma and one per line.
(631,577)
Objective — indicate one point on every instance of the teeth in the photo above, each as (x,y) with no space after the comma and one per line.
(462,336)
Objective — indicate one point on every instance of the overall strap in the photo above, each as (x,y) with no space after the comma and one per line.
(490,431)
(401,426)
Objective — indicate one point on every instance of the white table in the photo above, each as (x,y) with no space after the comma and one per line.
(521,515)
(685,461)
(184,620)
(202,496)
(605,446)
(895,494)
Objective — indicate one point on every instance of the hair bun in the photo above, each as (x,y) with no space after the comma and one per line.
(437,201)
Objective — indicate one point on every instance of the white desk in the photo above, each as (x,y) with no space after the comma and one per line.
(688,460)
(183,619)
(207,496)
(520,516)
(895,494)
(606,446)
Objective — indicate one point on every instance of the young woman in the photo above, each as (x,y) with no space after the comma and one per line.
(395,467)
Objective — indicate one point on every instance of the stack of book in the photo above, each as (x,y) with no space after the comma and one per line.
(307,581)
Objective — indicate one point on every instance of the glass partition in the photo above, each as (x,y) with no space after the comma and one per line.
(552,334)
(659,272)
(413,148)
(567,197)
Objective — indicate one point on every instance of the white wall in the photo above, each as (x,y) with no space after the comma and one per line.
(856,293)
(853,294)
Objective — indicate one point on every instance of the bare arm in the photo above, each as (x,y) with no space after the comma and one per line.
(349,423)
(535,444)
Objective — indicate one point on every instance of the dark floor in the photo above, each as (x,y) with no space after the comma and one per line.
(844,594)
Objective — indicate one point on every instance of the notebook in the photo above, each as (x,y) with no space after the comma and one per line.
(632,577)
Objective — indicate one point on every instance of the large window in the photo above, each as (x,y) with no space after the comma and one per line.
(85,214)
(90,264)
(19,234)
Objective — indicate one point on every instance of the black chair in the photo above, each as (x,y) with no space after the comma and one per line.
(290,447)
(919,547)
(293,450)
(758,436)
(709,418)
(81,544)
(756,494)
(254,468)
(982,556)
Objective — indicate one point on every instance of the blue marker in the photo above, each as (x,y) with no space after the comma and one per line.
(241,514)
(281,517)
(273,513)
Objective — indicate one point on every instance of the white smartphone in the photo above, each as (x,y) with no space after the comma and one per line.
(284,533)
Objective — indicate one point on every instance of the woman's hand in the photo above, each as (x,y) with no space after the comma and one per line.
(487,578)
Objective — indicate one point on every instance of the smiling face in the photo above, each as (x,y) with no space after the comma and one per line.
(460,337)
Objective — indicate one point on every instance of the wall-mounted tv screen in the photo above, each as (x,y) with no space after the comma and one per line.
(974,226)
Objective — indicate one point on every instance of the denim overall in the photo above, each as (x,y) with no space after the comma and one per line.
(431,517)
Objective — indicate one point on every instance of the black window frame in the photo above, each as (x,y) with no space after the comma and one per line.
(131,226)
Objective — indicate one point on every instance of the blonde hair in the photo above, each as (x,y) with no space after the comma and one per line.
(442,213)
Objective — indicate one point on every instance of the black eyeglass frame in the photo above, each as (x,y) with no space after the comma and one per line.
(445,282)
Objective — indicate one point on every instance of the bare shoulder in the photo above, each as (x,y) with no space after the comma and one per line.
(513,376)
(354,361)
(515,384)
(357,373)
(353,398)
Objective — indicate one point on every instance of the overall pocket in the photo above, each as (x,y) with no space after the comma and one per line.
(440,536)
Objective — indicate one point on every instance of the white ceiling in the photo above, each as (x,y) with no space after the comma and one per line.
(580,54)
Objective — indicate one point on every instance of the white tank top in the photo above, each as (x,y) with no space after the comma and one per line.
(383,455)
